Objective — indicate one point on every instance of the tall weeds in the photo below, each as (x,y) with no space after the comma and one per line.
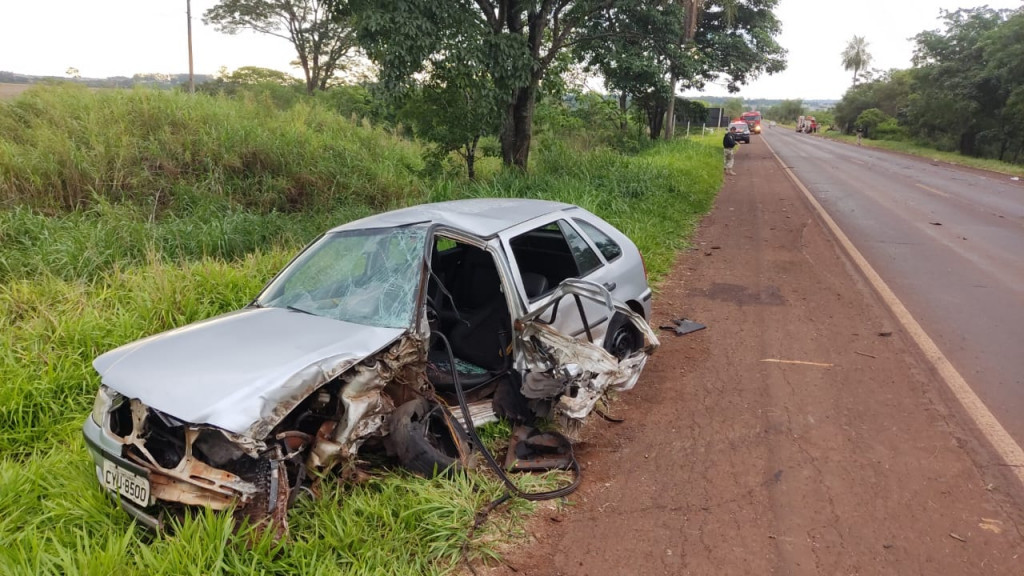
(63,148)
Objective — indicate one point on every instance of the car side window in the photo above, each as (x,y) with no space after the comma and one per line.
(586,259)
(608,247)
(548,255)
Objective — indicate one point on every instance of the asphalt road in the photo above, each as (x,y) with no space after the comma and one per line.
(948,241)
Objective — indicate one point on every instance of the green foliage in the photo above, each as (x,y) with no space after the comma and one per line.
(965,91)
(249,75)
(451,74)
(736,42)
(64,148)
(652,50)
(957,99)
(256,83)
(870,119)
(889,129)
(691,110)
(786,111)
(589,120)
(348,101)
(733,107)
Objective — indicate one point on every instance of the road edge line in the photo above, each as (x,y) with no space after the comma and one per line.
(994,433)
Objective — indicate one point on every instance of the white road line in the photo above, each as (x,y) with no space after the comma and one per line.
(993,431)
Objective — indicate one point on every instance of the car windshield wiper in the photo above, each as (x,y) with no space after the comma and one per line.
(293,308)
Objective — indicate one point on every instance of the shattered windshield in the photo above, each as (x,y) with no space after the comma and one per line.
(363,276)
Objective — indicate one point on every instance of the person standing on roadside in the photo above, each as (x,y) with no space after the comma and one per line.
(729,145)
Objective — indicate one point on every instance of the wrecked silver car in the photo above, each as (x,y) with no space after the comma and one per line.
(525,309)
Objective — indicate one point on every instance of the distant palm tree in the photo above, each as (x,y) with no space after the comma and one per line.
(856,57)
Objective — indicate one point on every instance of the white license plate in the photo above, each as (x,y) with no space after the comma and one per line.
(126,483)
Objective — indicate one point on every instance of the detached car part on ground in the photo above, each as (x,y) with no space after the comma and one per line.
(528,309)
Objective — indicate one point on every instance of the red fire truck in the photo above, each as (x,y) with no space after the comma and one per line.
(753,120)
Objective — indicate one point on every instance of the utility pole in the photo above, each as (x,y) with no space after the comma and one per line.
(191,76)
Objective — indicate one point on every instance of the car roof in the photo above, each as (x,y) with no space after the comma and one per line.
(482,217)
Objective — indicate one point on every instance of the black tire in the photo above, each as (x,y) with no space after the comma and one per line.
(622,338)
(421,438)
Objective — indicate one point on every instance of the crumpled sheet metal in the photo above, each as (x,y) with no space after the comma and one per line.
(366,404)
(191,481)
(596,293)
(596,370)
(284,399)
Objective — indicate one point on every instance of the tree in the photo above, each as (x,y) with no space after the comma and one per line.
(956,97)
(319,30)
(785,111)
(521,41)
(869,119)
(1004,53)
(632,45)
(856,56)
(890,93)
(649,54)
(250,75)
(516,42)
(733,107)
(453,109)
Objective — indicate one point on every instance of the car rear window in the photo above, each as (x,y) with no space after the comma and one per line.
(606,245)
(555,251)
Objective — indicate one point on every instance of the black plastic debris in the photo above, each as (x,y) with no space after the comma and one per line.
(533,450)
(683,326)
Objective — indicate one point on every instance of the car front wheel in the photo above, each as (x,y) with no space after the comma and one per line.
(425,439)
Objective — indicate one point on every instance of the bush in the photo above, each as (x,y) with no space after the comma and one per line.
(890,129)
(870,119)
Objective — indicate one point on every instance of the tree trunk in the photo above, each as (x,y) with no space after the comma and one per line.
(623,112)
(967,140)
(517,131)
(670,116)
(655,121)
(471,158)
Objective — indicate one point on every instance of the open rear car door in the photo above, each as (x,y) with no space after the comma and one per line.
(582,370)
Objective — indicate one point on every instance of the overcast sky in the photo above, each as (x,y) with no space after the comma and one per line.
(122,37)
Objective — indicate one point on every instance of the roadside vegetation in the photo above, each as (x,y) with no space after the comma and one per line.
(125,213)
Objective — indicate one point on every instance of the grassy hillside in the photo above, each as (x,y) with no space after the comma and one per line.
(124,213)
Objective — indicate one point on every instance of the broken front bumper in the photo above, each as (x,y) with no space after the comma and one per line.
(105,451)
(138,485)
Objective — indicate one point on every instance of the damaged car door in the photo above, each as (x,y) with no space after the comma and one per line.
(576,371)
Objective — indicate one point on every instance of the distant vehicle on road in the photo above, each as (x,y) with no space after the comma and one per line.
(742,131)
(753,120)
(806,124)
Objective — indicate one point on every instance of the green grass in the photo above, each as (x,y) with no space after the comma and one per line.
(97,249)
(64,147)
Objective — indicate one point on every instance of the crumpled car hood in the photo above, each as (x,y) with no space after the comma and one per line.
(242,371)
